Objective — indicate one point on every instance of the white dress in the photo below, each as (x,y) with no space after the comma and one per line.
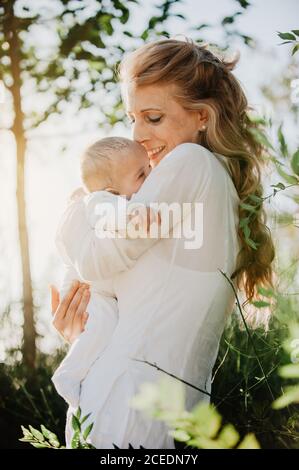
(173,302)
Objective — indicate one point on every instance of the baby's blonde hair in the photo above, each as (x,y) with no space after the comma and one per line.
(96,162)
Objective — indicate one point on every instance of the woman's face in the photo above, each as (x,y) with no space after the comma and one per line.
(159,122)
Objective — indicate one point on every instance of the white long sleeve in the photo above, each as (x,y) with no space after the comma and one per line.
(102,307)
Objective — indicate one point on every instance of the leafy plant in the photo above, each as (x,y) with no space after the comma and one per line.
(291,38)
(46,439)
(200,428)
(290,371)
(43,439)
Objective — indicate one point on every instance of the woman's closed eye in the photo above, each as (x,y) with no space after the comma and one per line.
(153,120)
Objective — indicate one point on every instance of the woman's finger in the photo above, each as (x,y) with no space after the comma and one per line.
(54,299)
(84,318)
(80,319)
(73,306)
(67,299)
(83,302)
(81,308)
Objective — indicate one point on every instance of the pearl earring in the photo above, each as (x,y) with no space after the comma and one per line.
(203,128)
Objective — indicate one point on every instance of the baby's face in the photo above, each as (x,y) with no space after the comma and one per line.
(131,170)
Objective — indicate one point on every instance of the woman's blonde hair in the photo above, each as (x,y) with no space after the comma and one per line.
(205,81)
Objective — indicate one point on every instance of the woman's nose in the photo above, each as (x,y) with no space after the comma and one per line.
(139,133)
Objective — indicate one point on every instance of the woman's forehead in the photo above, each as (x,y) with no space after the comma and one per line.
(145,98)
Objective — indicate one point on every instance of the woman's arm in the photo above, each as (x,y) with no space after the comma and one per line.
(183,176)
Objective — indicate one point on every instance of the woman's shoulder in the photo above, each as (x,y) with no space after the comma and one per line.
(194,155)
(192,158)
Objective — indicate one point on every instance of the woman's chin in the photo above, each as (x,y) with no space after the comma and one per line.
(154,161)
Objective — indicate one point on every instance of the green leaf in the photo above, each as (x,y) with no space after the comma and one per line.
(87,431)
(85,418)
(54,442)
(207,418)
(255,198)
(53,439)
(180,435)
(249,442)
(289,371)
(260,303)
(76,423)
(261,138)
(38,445)
(278,185)
(26,432)
(229,436)
(266,292)
(288,178)
(37,434)
(246,231)
(290,395)
(295,31)
(78,414)
(244,222)
(252,244)
(287,36)
(248,207)
(75,442)
(295,163)
(282,142)
(295,49)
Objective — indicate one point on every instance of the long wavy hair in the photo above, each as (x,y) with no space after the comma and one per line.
(204,80)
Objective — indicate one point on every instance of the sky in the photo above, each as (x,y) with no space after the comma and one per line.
(51,174)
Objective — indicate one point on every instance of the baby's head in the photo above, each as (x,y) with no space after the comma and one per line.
(115,164)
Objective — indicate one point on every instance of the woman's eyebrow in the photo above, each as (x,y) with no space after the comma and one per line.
(150,109)
(146,109)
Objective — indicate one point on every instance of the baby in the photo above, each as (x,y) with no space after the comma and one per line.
(115,167)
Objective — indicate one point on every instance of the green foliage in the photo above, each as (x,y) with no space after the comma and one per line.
(46,439)
(29,399)
(80,435)
(290,371)
(82,36)
(291,38)
(199,428)
(43,439)
(240,392)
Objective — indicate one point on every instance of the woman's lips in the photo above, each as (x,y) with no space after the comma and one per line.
(152,156)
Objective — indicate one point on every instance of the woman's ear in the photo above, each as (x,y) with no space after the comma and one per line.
(202,117)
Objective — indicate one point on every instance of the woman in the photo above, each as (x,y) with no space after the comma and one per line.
(190,113)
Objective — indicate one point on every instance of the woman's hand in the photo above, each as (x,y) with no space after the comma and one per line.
(69,314)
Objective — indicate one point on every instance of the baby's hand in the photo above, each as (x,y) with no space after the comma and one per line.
(79,193)
(152,217)
(141,219)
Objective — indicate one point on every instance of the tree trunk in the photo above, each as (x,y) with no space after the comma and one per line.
(29,333)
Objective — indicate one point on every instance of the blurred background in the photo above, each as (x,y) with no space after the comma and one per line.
(59,93)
